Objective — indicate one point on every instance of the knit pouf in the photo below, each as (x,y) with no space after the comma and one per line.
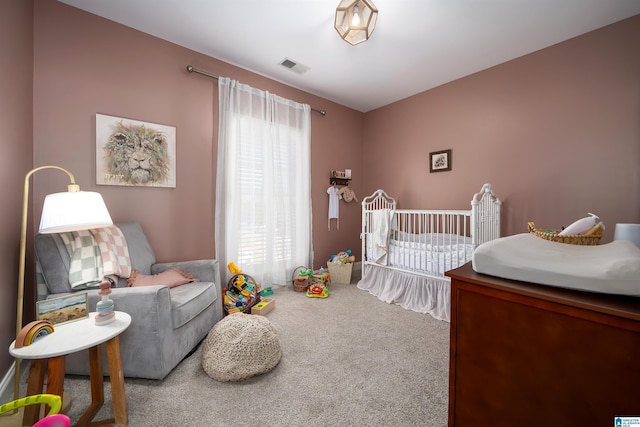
(240,346)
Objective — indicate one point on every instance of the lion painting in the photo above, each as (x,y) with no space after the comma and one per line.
(137,155)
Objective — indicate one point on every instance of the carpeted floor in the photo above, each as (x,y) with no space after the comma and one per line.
(348,360)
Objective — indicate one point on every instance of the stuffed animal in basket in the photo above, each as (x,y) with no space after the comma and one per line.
(342,257)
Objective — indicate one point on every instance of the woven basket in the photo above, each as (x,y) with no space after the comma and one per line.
(578,239)
(252,300)
(340,273)
(300,283)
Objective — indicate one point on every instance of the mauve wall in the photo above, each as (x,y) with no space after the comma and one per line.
(556,132)
(16,127)
(85,65)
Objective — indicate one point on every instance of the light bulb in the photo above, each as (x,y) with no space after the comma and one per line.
(356,18)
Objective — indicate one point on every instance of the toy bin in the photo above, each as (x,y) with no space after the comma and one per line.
(340,273)
(241,294)
(300,283)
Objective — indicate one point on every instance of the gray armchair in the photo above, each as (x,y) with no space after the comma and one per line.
(167,323)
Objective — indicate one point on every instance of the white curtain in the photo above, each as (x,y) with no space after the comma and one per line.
(263,185)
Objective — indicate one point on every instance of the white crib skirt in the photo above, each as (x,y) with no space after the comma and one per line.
(416,293)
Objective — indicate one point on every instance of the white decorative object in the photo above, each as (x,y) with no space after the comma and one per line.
(581,226)
(628,232)
(104,307)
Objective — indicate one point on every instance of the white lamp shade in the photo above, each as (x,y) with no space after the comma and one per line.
(73,211)
(628,232)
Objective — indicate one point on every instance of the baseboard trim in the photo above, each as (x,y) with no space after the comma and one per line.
(6,385)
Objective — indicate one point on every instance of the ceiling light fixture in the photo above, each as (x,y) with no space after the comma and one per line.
(355,20)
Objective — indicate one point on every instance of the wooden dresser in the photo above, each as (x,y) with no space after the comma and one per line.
(531,355)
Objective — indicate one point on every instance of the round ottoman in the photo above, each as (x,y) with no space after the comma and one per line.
(240,346)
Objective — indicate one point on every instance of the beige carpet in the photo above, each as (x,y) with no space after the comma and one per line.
(348,360)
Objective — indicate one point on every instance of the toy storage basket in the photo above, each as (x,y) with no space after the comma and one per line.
(578,239)
(300,283)
(255,295)
(340,273)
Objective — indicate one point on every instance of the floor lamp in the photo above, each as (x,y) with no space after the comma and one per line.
(62,212)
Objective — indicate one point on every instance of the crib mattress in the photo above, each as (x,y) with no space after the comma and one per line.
(428,253)
(612,268)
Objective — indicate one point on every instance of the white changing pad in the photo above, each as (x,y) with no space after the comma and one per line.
(612,268)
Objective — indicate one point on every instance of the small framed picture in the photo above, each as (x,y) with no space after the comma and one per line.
(63,309)
(440,161)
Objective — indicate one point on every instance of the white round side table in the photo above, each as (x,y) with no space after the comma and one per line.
(50,352)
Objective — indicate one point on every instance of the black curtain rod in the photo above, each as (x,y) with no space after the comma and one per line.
(213,76)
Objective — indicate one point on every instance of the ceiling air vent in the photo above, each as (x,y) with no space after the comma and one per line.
(294,66)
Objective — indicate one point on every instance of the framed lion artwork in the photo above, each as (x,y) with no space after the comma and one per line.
(134,153)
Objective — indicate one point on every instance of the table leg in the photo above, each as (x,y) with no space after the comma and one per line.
(55,378)
(116,375)
(35,383)
(97,386)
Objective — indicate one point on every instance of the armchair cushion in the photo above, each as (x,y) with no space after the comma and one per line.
(170,278)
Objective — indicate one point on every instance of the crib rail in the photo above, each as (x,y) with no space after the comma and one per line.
(485,216)
(433,221)
(428,242)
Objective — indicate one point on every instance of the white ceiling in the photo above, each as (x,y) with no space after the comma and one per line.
(416,45)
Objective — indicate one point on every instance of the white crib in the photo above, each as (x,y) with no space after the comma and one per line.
(406,252)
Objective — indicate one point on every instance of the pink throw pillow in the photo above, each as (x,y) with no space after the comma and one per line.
(168,278)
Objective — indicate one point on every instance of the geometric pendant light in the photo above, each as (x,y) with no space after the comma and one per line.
(355,20)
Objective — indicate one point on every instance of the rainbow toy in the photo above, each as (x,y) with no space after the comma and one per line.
(32,332)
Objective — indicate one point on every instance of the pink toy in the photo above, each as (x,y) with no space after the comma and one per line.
(56,420)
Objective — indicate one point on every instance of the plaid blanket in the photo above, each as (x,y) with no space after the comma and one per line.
(114,251)
(94,254)
(85,270)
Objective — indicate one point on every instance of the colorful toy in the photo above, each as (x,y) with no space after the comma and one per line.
(233,268)
(52,418)
(238,283)
(266,292)
(318,291)
(242,291)
(308,273)
(32,332)
(319,287)
(104,307)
